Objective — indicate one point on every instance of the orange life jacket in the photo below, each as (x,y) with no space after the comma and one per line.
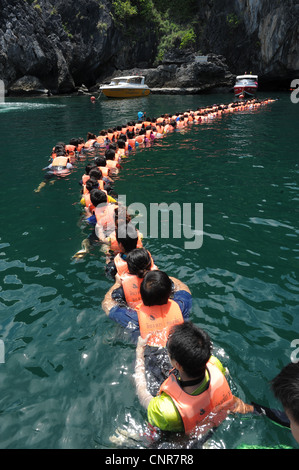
(104,170)
(121,265)
(131,142)
(70,149)
(140,139)
(101,139)
(120,153)
(131,287)
(168,128)
(160,128)
(60,161)
(148,133)
(157,321)
(194,409)
(111,164)
(111,136)
(89,143)
(101,186)
(105,217)
(114,246)
(85,178)
(88,202)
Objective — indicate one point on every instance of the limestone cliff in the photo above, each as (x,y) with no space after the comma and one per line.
(57,45)
(255,35)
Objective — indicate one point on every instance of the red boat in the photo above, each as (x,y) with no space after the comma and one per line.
(246,86)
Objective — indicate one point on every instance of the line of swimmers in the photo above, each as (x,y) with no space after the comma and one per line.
(126,137)
(154,307)
(111,146)
(140,133)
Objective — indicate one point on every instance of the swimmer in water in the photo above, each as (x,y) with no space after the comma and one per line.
(169,301)
(60,165)
(197,383)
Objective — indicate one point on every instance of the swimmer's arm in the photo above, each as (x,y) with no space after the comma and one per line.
(277,416)
(240,407)
(179,285)
(140,381)
(99,231)
(108,302)
(105,241)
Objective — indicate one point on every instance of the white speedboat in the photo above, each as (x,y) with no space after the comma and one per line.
(126,87)
(246,86)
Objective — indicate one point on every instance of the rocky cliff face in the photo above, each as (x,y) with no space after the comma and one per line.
(255,35)
(59,42)
(57,45)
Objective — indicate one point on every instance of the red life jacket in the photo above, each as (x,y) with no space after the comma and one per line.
(217,399)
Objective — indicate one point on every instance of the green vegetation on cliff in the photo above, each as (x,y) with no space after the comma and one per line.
(174,22)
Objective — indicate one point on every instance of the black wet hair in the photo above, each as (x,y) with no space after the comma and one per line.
(155,288)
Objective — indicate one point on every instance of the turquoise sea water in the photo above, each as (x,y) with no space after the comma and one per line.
(67,377)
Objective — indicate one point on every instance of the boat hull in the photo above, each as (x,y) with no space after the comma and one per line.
(125,92)
(245,90)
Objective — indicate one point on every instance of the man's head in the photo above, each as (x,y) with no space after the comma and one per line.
(110,154)
(100,161)
(92,184)
(155,288)
(285,387)
(190,347)
(126,235)
(139,262)
(89,167)
(121,143)
(98,197)
(95,173)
